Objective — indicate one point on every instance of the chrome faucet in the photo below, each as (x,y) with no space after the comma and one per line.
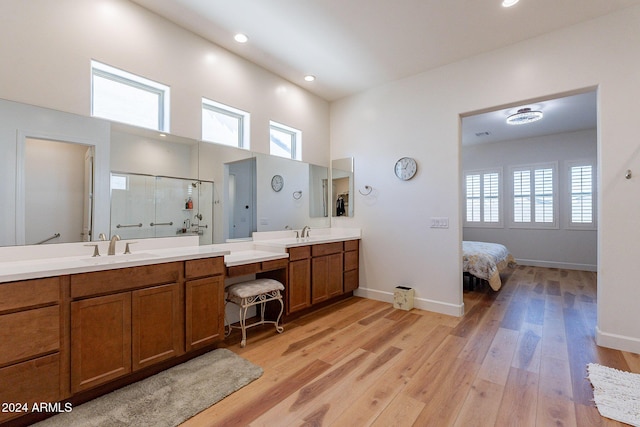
(306,228)
(102,237)
(112,244)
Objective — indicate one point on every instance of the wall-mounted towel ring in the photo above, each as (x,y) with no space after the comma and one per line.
(628,174)
(297,194)
(367,190)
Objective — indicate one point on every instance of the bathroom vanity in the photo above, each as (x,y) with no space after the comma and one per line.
(75,327)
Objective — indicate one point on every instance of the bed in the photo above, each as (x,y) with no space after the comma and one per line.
(485,261)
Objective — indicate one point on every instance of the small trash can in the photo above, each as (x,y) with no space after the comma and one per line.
(403,298)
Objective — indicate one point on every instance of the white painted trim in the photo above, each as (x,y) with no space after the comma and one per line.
(421,303)
(618,342)
(554,264)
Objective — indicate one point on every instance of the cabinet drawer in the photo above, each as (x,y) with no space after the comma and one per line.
(275,264)
(31,382)
(241,270)
(326,249)
(204,267)
(351,245)
(350,260)
(28,293)
(108,281)
(29,333)
(299,252)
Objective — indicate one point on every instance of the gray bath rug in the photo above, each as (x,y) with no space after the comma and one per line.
(167,398)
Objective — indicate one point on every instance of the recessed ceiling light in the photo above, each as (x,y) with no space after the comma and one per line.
(309,78)
(509,3)
(241,38)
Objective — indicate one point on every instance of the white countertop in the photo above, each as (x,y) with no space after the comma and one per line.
(251,256)
(19,264)
(49,267)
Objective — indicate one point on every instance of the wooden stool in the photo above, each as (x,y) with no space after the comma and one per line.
(254,292)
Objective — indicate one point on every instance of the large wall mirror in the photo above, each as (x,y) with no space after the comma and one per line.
(139,183)
(342,186)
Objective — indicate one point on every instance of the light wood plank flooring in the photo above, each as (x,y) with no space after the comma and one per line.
(517,358)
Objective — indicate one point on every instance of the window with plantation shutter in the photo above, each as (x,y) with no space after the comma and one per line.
(534,196)
(482,198)
(582,193)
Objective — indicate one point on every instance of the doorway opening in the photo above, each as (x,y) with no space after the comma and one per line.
(532,187)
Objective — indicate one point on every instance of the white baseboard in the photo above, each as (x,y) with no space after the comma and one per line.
(553,264)
(421,303)
(617,342)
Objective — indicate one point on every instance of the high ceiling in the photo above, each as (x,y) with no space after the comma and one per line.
(353,45)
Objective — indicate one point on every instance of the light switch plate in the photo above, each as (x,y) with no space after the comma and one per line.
(439,222)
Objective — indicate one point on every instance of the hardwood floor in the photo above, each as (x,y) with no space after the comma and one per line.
(517,358)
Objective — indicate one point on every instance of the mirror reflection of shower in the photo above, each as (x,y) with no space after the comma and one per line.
(144,206)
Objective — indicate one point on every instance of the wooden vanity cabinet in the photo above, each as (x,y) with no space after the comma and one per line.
(320,272)
(326,271)
(298,291)
(351,263)
(204,302)
(126,330)
(33,354)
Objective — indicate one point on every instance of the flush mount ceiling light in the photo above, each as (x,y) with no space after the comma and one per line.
(509,3)
(309,78)
(523,116)
(241,38)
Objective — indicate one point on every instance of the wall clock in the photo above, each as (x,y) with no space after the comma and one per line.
(406,168)
(277,183)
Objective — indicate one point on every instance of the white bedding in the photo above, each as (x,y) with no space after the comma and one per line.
(486,260)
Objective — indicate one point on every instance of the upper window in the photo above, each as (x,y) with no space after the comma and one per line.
(224,125)
(124,97)
(285,141)
(581,189)
(482,193)
(534,196)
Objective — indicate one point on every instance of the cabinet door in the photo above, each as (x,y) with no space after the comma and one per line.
(156,334)
(326,277)
(335,276)
(204,312)
(100,340)
(33,381)
(299,290)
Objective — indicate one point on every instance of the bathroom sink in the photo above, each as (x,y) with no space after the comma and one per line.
(112,259)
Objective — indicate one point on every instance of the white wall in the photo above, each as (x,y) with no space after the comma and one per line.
(419,117)
(562,247)
(47,63)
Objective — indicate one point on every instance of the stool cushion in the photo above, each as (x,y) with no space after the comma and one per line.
(255,287)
